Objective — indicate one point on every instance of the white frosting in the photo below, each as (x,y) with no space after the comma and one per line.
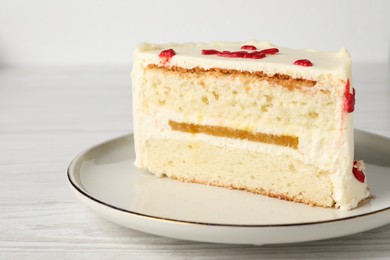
(189,55)
(330,69)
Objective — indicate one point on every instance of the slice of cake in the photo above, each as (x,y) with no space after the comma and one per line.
(249,116)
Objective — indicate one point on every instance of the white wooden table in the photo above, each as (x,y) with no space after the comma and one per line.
(48,116)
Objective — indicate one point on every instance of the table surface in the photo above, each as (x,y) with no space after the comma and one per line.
(48,116)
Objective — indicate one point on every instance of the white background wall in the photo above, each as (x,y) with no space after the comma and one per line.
(98,32)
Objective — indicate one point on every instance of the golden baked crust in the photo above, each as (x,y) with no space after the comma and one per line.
(256,191)
(280,79)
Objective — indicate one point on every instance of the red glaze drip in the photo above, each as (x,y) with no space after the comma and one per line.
(359,175)
(255,55)
(233,54)
(271,51)
(258,56)
(248,47)
(304,63)
(243,54)
(166,55)
(209,52)
(349,103)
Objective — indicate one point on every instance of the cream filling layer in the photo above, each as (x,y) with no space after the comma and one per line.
(311,148)
(347,190)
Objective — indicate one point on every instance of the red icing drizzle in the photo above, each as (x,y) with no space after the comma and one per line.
(349,103)
(255,55)
(232,54)
(303,62)
(209,52)
(166,55)
(270,51)
(243,54)
(248,47)
(359,175)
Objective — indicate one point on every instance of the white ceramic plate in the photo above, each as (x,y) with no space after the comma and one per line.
(105,179)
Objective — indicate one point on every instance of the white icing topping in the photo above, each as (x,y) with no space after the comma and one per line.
(189,55)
